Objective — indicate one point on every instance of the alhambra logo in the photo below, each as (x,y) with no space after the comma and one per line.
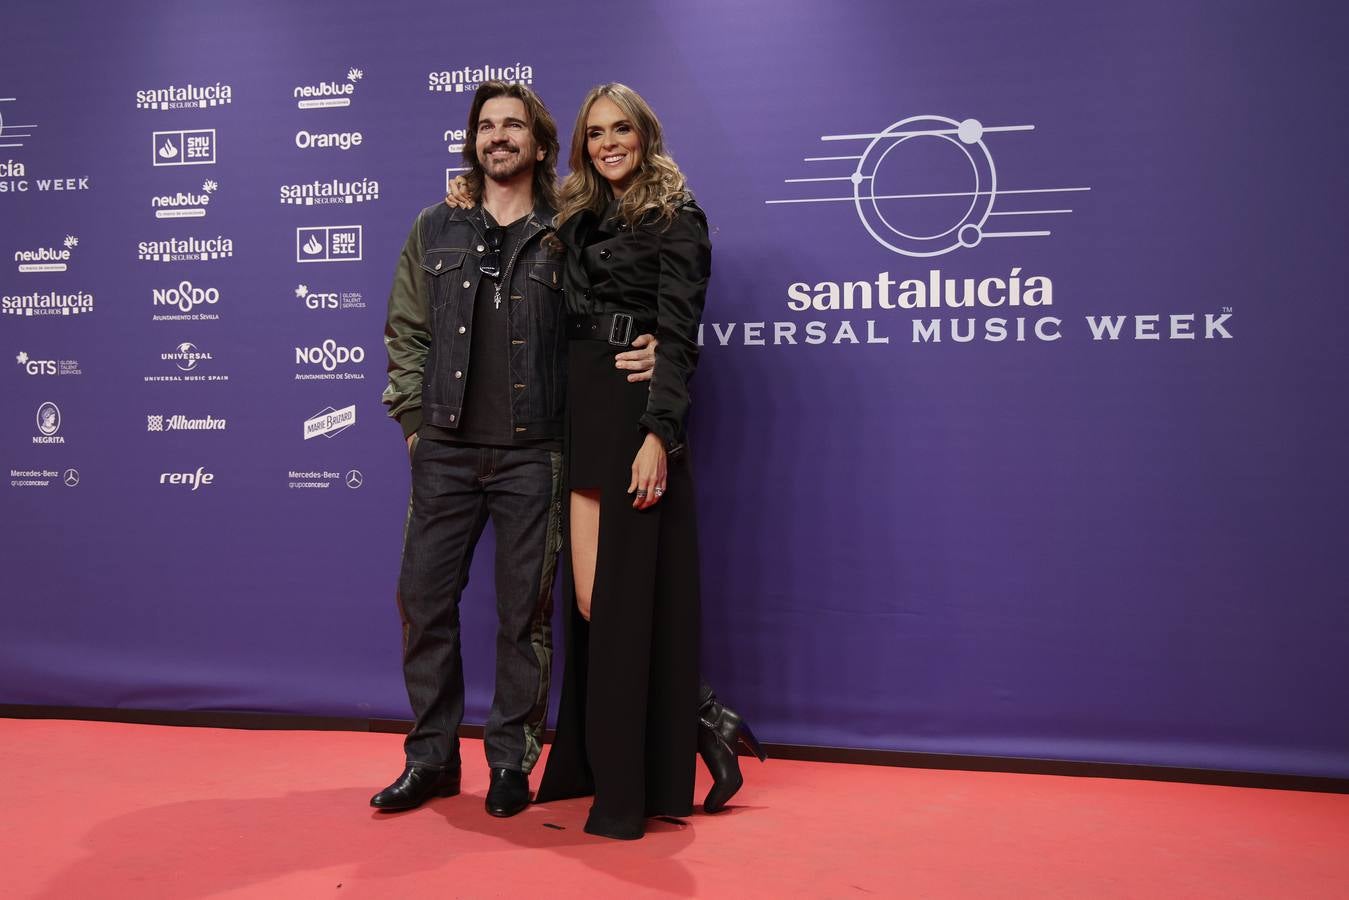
(325,193)
(328,94)
(188,96)
(184,204)
(469,78)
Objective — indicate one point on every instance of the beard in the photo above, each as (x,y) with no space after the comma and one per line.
(503,169)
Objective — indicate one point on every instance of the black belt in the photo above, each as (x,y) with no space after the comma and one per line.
(612,328)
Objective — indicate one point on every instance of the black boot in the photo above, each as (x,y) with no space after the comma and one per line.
(719,731)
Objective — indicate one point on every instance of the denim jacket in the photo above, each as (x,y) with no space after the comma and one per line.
(428,333)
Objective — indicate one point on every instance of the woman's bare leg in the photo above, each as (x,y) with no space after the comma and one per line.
(585,542)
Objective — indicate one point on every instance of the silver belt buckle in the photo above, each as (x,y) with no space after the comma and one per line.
(620,330)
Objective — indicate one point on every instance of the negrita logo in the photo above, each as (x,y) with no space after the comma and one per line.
(328,94)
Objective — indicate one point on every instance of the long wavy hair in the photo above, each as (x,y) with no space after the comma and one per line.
(657,187)
(541,125)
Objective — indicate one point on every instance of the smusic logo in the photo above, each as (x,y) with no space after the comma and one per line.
(328,243)
(189,96)
(183,148)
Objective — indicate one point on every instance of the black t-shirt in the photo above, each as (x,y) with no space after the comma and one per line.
(486,415)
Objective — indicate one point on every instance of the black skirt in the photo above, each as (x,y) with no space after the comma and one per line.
(627,725)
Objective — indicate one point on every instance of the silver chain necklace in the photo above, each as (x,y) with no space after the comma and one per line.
(510,268)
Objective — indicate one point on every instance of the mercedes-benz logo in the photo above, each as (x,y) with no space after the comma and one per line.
(355,479)
(72,477)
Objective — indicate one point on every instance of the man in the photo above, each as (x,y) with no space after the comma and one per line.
(477,348)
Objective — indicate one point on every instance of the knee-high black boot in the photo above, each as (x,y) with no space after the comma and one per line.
(719,731)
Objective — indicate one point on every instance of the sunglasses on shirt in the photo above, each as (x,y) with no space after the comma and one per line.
(490,264)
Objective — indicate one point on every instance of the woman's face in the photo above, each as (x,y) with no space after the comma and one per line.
(612,142)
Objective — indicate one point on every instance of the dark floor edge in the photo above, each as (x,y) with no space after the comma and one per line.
(902,758)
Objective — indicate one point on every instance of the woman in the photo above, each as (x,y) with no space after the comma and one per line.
(638,261)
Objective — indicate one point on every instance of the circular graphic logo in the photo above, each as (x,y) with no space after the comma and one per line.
(355,479)
(187,360)
(71,477)
(48,419)
(925,185)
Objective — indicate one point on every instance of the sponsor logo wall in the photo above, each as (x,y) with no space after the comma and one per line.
(1006,339)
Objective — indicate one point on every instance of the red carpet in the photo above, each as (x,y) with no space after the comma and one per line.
(96,810)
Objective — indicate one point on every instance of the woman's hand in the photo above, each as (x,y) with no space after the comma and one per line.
(459,197)
(648,473)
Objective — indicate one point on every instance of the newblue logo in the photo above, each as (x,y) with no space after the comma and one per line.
(183,205)
(327,94)
(47,259)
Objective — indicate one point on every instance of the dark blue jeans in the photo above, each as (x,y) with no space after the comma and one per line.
(455,490)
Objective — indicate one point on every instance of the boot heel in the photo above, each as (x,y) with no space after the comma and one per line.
(747,740)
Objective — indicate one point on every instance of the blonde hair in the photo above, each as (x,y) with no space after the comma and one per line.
(657,188)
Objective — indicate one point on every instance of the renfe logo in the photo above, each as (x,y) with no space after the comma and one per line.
(195,479)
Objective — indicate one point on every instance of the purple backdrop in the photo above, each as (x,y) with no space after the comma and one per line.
(1063,544)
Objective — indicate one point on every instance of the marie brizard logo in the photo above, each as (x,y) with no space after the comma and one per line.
(927,185)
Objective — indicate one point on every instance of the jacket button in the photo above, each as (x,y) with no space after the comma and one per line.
(481,248)
(467,283)
(462,329)
(451,417)
(519,387)
(605,253)
(458,374)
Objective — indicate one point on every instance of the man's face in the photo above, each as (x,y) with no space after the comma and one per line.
(505,144)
